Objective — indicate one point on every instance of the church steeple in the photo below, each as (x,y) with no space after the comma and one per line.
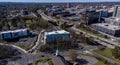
(57,52)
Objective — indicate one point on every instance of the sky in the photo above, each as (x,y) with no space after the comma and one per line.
(59,0)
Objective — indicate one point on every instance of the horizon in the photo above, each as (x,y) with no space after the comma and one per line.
(58,1)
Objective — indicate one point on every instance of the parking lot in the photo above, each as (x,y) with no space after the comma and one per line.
(25,41)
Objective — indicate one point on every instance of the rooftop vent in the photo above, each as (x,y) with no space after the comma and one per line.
(106,25)
(56,32)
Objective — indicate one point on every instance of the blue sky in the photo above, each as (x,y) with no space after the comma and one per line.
(59,0)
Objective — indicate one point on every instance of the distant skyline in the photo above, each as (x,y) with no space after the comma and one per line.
(59,0)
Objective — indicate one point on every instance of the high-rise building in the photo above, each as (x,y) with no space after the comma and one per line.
(24,12)
(102,14)
(68,5)
(116,12)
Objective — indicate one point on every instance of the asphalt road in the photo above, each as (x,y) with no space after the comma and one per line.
(103,42)
(38,42)
(23,59)
(45,16)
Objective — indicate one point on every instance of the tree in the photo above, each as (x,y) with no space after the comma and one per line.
(45,48)
(116,52)
(73,55)
(106,36)
(6,51)
(114,64)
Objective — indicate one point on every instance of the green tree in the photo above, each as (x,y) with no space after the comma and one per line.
(116,52)
(6,51)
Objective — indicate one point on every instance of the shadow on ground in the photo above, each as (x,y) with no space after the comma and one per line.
(82,61)
(3,62)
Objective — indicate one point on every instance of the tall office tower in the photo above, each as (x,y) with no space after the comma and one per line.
(116,12)
(68,5)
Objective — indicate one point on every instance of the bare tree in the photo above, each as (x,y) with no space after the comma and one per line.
(73,55)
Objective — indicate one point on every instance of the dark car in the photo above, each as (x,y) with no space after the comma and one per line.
(30,64)
(42,56)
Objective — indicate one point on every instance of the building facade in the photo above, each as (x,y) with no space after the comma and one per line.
(54,36)
(13,34)
(107,28)
(113,21)
(116,12)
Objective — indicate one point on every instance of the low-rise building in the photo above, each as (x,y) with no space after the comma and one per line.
(54,9)
(6,34)
(52,37)
(113,21)
(20,33)
(13,34)
(107,28)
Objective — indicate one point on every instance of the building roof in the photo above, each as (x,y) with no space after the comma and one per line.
(108,26)
(57,60)
(5,32)
(105,10)
(57,32)
(18,30)
(114,19)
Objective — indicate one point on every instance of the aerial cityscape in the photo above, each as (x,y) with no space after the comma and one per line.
(60,32)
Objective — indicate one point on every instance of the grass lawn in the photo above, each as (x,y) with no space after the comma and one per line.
(85,44)
(99,35)
(28,21)
(100,63)
(106,52)
(62,20)
(49,60)
(25,47)
(3,42)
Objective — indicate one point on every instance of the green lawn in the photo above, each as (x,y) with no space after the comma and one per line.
(100,63)
(91,32)
(25,47)
(106,52)
(49,60)
(28,21)
(3,42)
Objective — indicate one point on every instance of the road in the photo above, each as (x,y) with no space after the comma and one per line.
(105,58)
(26,58)
(44,16)
(48,18)
(38,43)
(100,40)
(87,49)
(22,51)
(105,44)
(23,59)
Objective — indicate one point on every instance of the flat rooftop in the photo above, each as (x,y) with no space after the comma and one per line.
(57,32)
(107,26)
(114,19)
(18,30)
